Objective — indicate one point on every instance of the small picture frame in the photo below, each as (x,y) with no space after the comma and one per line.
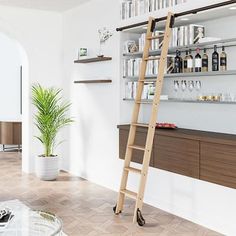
(83,52)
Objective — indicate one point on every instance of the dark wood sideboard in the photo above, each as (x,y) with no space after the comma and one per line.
(202,155)
(10,133)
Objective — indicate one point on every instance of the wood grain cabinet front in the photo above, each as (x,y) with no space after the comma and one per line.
(202,155)
(177,155)
(10,133)
(218,164)
(140,139)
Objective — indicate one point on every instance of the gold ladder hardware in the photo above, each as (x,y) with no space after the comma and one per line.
(131,146)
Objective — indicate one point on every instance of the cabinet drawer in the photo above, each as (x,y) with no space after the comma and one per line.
(218,164)
(139,140)
(177,155)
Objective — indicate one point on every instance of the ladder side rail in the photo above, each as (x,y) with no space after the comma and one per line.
(153,119)
(135,114)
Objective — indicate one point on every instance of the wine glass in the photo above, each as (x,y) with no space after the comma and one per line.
(191,87)
(198,85)
(176,85)
(183,87)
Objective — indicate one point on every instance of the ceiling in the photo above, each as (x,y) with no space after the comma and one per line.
(48,5)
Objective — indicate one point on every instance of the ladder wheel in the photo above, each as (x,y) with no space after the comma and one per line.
(140,219)
(114,209)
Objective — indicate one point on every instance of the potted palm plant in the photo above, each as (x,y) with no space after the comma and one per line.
(50,118)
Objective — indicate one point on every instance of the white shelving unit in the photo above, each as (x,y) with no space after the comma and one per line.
(228,42)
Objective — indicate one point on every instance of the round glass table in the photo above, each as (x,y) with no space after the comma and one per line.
(27,222)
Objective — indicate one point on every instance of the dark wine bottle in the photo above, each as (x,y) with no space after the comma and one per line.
(198,61)
(190,61)
(185,67)
(215,59)
(223,60)
(205,61)
(178,62)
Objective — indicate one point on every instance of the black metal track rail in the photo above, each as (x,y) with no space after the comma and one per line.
(193,11)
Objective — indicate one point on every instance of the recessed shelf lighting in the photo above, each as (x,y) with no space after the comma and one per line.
(232,8)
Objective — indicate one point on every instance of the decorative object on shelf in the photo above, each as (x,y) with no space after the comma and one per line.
(130,46)
(212,98)
(166,126)
(50,118)
(104,35)
(83,52)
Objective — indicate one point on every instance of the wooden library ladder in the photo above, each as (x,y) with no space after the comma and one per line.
(152,123)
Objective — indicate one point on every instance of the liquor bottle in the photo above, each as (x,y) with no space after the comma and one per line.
(198,61)
(205,61)
(185,69)
(178,62)
(190,62)
(215,59)
(223,60)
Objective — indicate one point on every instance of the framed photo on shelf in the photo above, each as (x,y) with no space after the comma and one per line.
(83,52)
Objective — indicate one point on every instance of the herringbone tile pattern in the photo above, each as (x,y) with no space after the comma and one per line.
(86,208)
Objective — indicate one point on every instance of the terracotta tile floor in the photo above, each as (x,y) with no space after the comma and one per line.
(86,208)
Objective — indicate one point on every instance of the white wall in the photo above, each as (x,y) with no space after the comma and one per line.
(93,143)
(93,139)
(10,61)
(40,35)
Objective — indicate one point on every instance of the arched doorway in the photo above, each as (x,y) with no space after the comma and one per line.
(14,96)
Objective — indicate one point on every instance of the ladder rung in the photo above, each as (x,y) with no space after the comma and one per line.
(155,37)
(129,193)
(152,58)
(137,147)
(147,80)
(140,125)
(143,102)
(156,57)
(134,170)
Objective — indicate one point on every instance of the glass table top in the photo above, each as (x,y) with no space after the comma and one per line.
(27,222)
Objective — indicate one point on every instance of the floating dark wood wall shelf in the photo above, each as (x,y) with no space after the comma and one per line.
(93,81)
(93,59)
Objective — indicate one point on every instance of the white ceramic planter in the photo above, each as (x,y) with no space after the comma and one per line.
(47,168)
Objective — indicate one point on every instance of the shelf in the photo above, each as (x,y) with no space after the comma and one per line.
(93,59)
(182,101)
(205,13)
(152,78)
(93,81)
(208,45)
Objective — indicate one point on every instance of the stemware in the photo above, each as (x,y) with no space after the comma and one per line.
(190,85)
(183,85)
(198,85)
(176,85)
